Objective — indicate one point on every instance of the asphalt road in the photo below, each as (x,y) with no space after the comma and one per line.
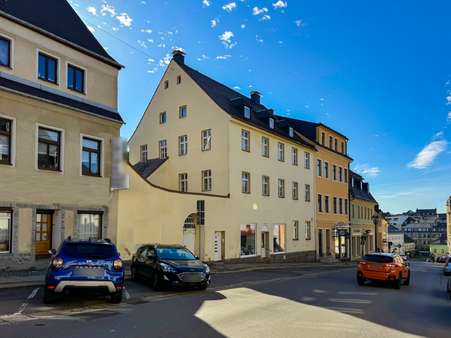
(268,303)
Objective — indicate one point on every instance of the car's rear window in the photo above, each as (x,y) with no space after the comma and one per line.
(378,258)
(88,250)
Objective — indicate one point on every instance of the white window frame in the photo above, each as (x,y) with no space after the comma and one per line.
(295,230)
(295,188)
(85,78)
(247,112)
(326,170)
(102,153)
(294,156)
(207,180)
(160,148)
(245,140)
(160,117)
(285,238)
(181,116)
(281,188)
(13,140)
(183,182)
(267,185)
(206,140)
(265,146)
(291,131)
(307,160)
(319,167)
(245,179)
(11,51)
(142,152)
(280,152)
(183,145)
(308,230)
(308,193)
(58,68)
(36,148)
(271,123)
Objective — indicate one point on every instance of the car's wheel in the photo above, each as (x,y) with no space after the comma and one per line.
(360,280)
(407,281)
(49,296)
(157,284)
(397,283)
(116,297)
(203,286)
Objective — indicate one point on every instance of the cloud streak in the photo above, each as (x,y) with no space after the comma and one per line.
(367,170)
(426,157)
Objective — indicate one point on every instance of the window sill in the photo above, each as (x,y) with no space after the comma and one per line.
(95,176)
(57,171)
(248,256)
(76,91)
(49,81)
(278,253)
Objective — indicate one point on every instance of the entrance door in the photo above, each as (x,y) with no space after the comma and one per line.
(327,242)
(219,247)
(265,244)
(43,233)
(320,242)
(189,239)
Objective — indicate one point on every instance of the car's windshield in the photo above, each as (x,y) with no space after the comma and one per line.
(88,250)
(378,259)
(175,254)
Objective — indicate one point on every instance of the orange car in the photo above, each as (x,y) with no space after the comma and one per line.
(383,267)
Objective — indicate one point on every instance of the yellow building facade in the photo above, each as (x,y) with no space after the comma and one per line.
(448,222)
(58,121)
(249,172)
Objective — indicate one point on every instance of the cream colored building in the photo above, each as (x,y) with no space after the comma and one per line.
(363,230)
(219,172)
(58,121)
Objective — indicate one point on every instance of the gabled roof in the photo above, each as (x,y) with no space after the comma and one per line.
(232,102)
(147,168)
(57,20)
(355,190)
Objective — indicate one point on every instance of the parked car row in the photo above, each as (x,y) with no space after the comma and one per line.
(95,265)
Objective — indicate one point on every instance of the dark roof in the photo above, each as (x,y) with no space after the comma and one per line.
(49,96)
(355,190)
(232,102)
(55,18)
(147,168)
(393,229)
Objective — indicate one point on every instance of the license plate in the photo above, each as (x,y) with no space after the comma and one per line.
(88,272)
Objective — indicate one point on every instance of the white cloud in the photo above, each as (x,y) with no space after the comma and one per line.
(205,3)
(147,30)
(258,11)
(259,39)
(448,99)
(226,39)
(202,57)
(107,9)
(124,19)
(142,44)
(214,23)
(223,57)
(115,29)
(265,17)
(428,154)
(280,4)
(165,61)
(243,26)
(367,170)
(92,10)
(150,60)
(229,7)
(299,23)
(449,116)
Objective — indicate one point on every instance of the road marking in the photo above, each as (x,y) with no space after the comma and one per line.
(127,294)
(350,301)
(307,299)
(357,293)
(318,291)
(33,293)
(349,310)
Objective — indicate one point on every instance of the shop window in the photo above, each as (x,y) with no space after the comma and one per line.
(89,225)
(5,230)
(279,238)
(248,239)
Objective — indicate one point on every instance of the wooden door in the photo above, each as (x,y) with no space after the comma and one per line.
(43,234)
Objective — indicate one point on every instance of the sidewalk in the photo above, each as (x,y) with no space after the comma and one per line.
(36,276)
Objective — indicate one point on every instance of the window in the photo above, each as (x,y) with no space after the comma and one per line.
(206,180)
(75,78)
(343,147)
(346,175)
(308,230)
(331,141)
(91,155)
(49,148)
(307,193)
(353,210)
(335,144)
(163,149)
(320,203)
(183,182)
(294,156)
(183,145)
(319,168)
(340,174)
(295,190)
(143,154)
(326,169)
(291,131)
(183,112)
(271,123)
(295,230)
(200,212)
(247,112)
(5,230)
(335,205)
(5,141)
(335,172)
(340,205)
(48,68)
(346,206)
(326,203)
(265,185)
(166,84)
(179,79)
(307,161)
(281,152)
(279,242)
(245,182)
(265,146)
(281,188)
(245,140)
(5,52)
(206,140)
(89,225)
(323,138)
(248,240)
(163,117)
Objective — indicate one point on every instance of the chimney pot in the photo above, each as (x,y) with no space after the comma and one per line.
(178,55)
(255,96)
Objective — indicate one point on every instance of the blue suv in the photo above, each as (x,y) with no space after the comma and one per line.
(87,265)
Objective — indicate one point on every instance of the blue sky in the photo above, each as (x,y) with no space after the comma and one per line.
(378,72)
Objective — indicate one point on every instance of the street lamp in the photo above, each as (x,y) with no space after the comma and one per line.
(376,222)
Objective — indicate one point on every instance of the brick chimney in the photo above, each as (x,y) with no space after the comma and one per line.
(255,96)
(178,55)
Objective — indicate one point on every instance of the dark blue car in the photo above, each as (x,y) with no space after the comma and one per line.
(87,265)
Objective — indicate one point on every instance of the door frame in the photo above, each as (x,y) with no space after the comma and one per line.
(51,214)
(264,247)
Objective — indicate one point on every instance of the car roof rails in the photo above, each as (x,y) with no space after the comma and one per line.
(107,240)
(69,238)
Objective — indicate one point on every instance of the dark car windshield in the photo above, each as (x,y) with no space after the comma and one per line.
(378,259)
(175,254)
(88,250)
